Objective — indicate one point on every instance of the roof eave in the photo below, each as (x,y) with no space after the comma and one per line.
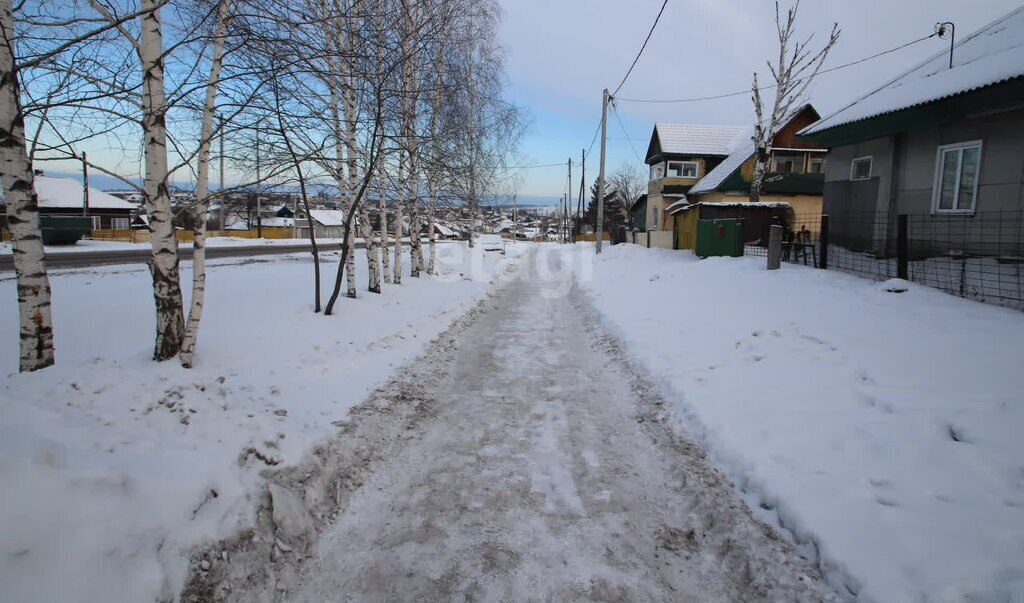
(1001,96)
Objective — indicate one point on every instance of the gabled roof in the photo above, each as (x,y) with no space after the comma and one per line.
(691,139)
(328,217)
(993,54)
(57,193)
(741,150)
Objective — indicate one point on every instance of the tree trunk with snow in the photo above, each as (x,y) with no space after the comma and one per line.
(382,204)
(195,313)
(35,325)
(397,264)
(435,110)
(170,320)
(349,99)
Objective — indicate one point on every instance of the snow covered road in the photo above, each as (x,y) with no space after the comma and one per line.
(523,457)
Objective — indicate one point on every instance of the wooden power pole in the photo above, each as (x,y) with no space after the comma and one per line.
(600,178)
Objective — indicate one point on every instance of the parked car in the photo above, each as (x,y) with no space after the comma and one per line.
(491,242)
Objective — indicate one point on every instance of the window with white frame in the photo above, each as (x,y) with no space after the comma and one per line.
(119,223)
(682,169)
(816,165)
(860,168)
(786,164)
(654,218)
(956,177)
(657,171)
(97,222)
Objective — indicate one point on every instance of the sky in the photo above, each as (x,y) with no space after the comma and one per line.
(560,54)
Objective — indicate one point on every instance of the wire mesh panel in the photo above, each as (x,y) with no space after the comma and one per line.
(800,236)
(977,256)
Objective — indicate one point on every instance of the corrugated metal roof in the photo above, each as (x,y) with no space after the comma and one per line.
(993,54)
(691,139)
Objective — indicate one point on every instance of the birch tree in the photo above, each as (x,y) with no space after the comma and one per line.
(188,345)
(792,72)
(35,325)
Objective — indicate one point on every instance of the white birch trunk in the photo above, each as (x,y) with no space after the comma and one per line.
(432,170)
(383,207)
(397,264)
(348,96)
(170,321)
(35,325)
(195,313)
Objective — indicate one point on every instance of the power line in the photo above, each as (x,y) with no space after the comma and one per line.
(527,167)
(621,125)
(646,40)
(769,87)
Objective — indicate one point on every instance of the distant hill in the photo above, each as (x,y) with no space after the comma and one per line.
(109,183)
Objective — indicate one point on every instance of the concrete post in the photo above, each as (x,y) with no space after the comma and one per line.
(775,247)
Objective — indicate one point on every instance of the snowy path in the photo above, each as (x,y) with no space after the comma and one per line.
(543,470)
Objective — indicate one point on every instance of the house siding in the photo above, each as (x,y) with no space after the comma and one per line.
(903,180)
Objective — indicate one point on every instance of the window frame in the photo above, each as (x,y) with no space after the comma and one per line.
(811,160)
(682,165)
(853,167)
(940,167)
(657,171)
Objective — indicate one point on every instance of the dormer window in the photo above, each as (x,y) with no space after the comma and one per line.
(682,169)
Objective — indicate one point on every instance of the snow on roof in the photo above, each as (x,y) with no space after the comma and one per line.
(993,54)
(680,203)
(277,222)
(760,204)
(328,217)
(742,149)
(55,193)
(696,139)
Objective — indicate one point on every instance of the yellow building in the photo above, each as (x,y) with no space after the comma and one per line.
(796,173)
(679,156)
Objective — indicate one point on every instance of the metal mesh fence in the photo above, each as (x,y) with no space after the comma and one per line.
(979,256)
(800,239)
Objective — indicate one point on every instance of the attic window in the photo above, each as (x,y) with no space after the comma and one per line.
(860,168)
(682,169)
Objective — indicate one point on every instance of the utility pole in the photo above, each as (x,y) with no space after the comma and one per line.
(600,178)
(579,203)
(568,203)
(515,220)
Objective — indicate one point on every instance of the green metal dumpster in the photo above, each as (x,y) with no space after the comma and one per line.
(64,230)
(722,237)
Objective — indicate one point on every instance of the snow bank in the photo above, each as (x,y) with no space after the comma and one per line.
(112,467)
(878,421)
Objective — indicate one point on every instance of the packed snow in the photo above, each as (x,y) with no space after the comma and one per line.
(112,466)
(878,421)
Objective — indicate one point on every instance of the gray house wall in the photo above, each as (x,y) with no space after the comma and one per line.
(911,158)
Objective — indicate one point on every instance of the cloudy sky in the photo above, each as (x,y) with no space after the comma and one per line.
(562,53)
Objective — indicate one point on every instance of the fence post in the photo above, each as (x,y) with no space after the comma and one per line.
(774,247)
(901,247)
(823,241)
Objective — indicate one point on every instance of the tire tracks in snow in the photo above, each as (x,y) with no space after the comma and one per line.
(522,456)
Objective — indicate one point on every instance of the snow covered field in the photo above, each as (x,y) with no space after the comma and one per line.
(112,466)
(882,428)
